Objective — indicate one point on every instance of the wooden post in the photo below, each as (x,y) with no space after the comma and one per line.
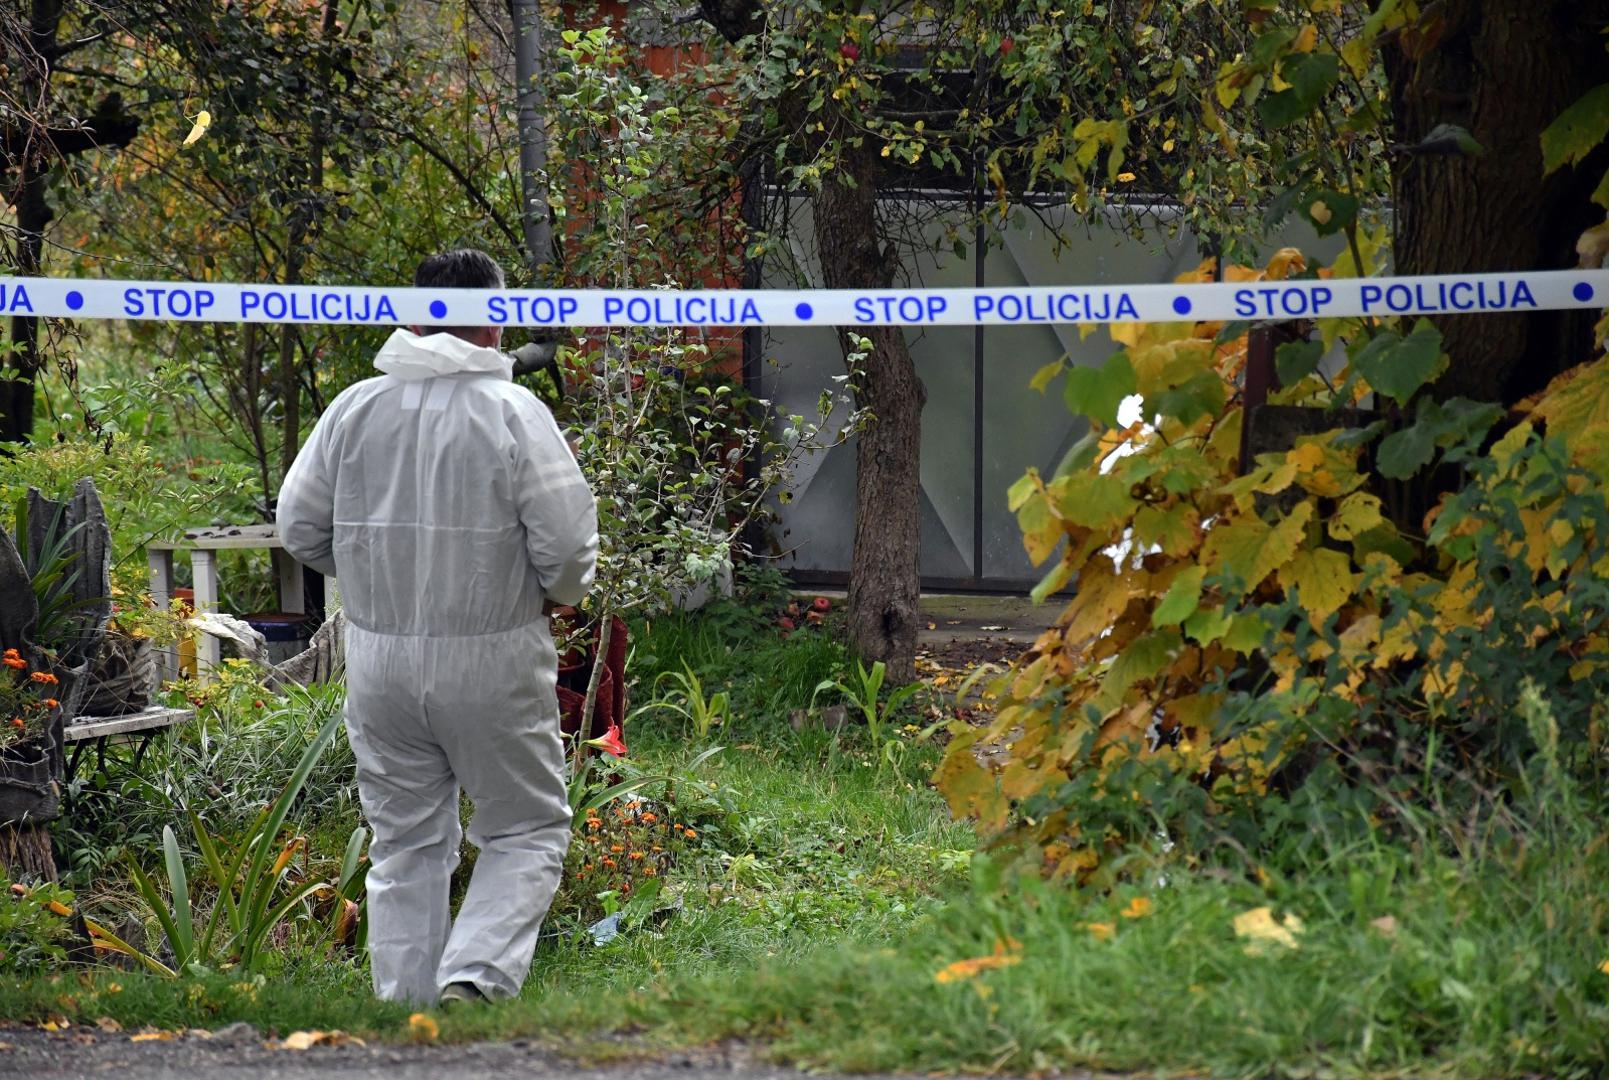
(160,564)
(204,573)
(292,597)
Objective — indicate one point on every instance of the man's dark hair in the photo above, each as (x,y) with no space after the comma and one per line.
(466,268)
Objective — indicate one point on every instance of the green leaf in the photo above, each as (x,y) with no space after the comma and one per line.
(1329,211)
(1396,366)
(1578,130)
(1053,582)
(1297,360)
(1311,75)
(1097,392)
(1403,453)
(1182,599)
(1200,395)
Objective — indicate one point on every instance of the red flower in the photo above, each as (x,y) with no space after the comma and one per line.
(610,743)
(821,603)
(849,51)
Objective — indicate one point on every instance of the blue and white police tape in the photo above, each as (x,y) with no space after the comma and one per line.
(385,306)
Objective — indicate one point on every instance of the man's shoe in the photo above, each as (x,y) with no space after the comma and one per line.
(460,992)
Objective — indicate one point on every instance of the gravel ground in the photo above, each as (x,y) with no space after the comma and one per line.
(244,1053)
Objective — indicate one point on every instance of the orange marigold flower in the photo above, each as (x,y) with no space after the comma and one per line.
(616,848)
(649,871)
(11,654)
(635,855)
(649,819)
(15,662)
(50,703)
(607,861)
(689,833)
(16,721)
(594,824)
(44,677)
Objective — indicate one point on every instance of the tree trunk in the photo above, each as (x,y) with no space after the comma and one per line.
(885,581)
(1503,70)
(33,216)
(535,219)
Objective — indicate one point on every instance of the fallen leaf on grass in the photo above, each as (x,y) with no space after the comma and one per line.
(1263,929)
(1386,925)
(1604,967)
(6,1046)
(306,1040)
(108,1025)
(424,1029)
(1101,931)
(1138,908)
(151,1036)
(1006,953)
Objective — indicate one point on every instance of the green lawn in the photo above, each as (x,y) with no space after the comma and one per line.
(826,902)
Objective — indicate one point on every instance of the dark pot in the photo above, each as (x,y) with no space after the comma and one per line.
(29,793)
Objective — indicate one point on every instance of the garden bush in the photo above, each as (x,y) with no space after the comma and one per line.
(1324,632)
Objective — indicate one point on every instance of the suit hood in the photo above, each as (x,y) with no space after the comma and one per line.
(413,357)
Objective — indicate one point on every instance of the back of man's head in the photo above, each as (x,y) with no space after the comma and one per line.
(466,268)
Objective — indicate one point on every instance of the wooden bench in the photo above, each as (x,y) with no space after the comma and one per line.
(96,731)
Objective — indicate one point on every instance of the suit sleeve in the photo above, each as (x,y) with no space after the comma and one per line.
(555,504)
(306,510)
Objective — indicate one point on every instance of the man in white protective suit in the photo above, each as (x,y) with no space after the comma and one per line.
(445,500)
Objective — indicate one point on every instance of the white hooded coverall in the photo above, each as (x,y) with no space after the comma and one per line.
(445,500)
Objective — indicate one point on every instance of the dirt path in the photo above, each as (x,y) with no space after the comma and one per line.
(85,1054)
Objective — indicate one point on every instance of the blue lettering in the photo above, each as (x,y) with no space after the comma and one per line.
(1321,297)
(981,306)
(1371,296)
(568,306)
(384,310)
(1126,308)
(611,308)
(132,304)
(863,310)
(751,313)
(1244,304)
(1399,298)
(248,300)
(17,301)
(638,310)
(935,306)
(496,310)
(1522,294)
(1461,288)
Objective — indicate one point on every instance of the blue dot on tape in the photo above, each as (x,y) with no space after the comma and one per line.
(75,299)
(438,309)
(1182,305)
(1582,291)
(804,311)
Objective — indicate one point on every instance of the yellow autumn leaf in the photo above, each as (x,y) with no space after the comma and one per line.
(1138,908)
(151,1036)
(59,908)
(301,1040)
(1101,931)
(423,1028)
(1006,953)
(1307,40)
(1125,178)
(202,122)
(1357,514)
(1604,967)
(1322,578)
(1263,930)
(1320,212)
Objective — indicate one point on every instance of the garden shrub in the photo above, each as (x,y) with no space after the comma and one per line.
(1298,637)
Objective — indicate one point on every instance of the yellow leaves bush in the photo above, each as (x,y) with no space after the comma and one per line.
(1191,577)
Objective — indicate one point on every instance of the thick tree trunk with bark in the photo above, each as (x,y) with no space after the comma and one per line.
(1503,70)
(885,575)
